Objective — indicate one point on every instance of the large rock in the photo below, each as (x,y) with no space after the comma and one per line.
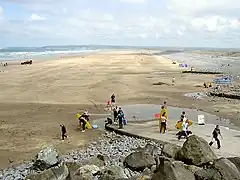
(138,161)
(196,151)
(221,169)
(59,172)
(93,169)
(142,177)
(236,161)
(170,150)
(227,168)
(73,168)
(206,174)
(46,158)
(112,173)
(98,160)
(152,149)
(170,170)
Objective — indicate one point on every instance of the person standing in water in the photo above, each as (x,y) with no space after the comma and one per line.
(63,131)
(215,134)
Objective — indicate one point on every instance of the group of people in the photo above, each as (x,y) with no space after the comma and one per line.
(119,117)
(83,120)
(183,126)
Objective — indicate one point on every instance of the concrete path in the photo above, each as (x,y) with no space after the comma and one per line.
(230,141)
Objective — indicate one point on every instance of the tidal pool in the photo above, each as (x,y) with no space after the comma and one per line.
(139,112)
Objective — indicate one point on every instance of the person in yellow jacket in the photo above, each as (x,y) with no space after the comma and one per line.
(164,109)
(163,116)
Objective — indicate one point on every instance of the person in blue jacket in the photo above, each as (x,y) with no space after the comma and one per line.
(120,118)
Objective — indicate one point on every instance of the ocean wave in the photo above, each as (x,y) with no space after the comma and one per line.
(17,54)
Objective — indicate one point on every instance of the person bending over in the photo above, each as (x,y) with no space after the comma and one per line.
(184,131)
(82,123)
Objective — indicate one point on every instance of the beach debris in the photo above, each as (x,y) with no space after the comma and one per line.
(196,95)
(26,62)
(161,83)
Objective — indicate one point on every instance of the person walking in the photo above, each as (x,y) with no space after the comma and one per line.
(164,113)
(215,134)
(63,131)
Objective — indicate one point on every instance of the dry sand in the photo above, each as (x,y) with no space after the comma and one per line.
(35,99)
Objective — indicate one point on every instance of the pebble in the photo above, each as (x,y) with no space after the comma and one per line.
(114,146)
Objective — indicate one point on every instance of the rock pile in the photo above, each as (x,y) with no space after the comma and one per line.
(116,157)
(226,91)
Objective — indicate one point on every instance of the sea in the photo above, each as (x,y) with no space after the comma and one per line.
(229,65)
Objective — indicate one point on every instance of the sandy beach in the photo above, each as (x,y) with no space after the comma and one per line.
(35,99)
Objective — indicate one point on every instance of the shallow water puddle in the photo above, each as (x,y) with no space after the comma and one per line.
(140,112)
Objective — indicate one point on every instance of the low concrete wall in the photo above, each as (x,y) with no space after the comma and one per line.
(123,132)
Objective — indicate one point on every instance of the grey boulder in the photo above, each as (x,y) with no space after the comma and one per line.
(59,172)
(138,161)
(196,151)
(46,158)
(236,161)
(172,170)
(221,169)
(112,173)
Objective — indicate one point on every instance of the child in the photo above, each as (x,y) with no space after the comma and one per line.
(63,131)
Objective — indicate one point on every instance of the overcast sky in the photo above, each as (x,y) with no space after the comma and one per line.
(194,23)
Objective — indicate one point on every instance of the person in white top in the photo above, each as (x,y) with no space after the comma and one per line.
(163,124)
(184,131)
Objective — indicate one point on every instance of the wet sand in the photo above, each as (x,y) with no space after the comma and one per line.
(35,99)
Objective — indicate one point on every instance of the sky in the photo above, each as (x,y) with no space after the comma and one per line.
(181,23)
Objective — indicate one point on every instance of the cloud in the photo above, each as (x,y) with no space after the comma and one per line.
(1,12)
(215,23)
(36,17)
(120,21)
(133,1)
